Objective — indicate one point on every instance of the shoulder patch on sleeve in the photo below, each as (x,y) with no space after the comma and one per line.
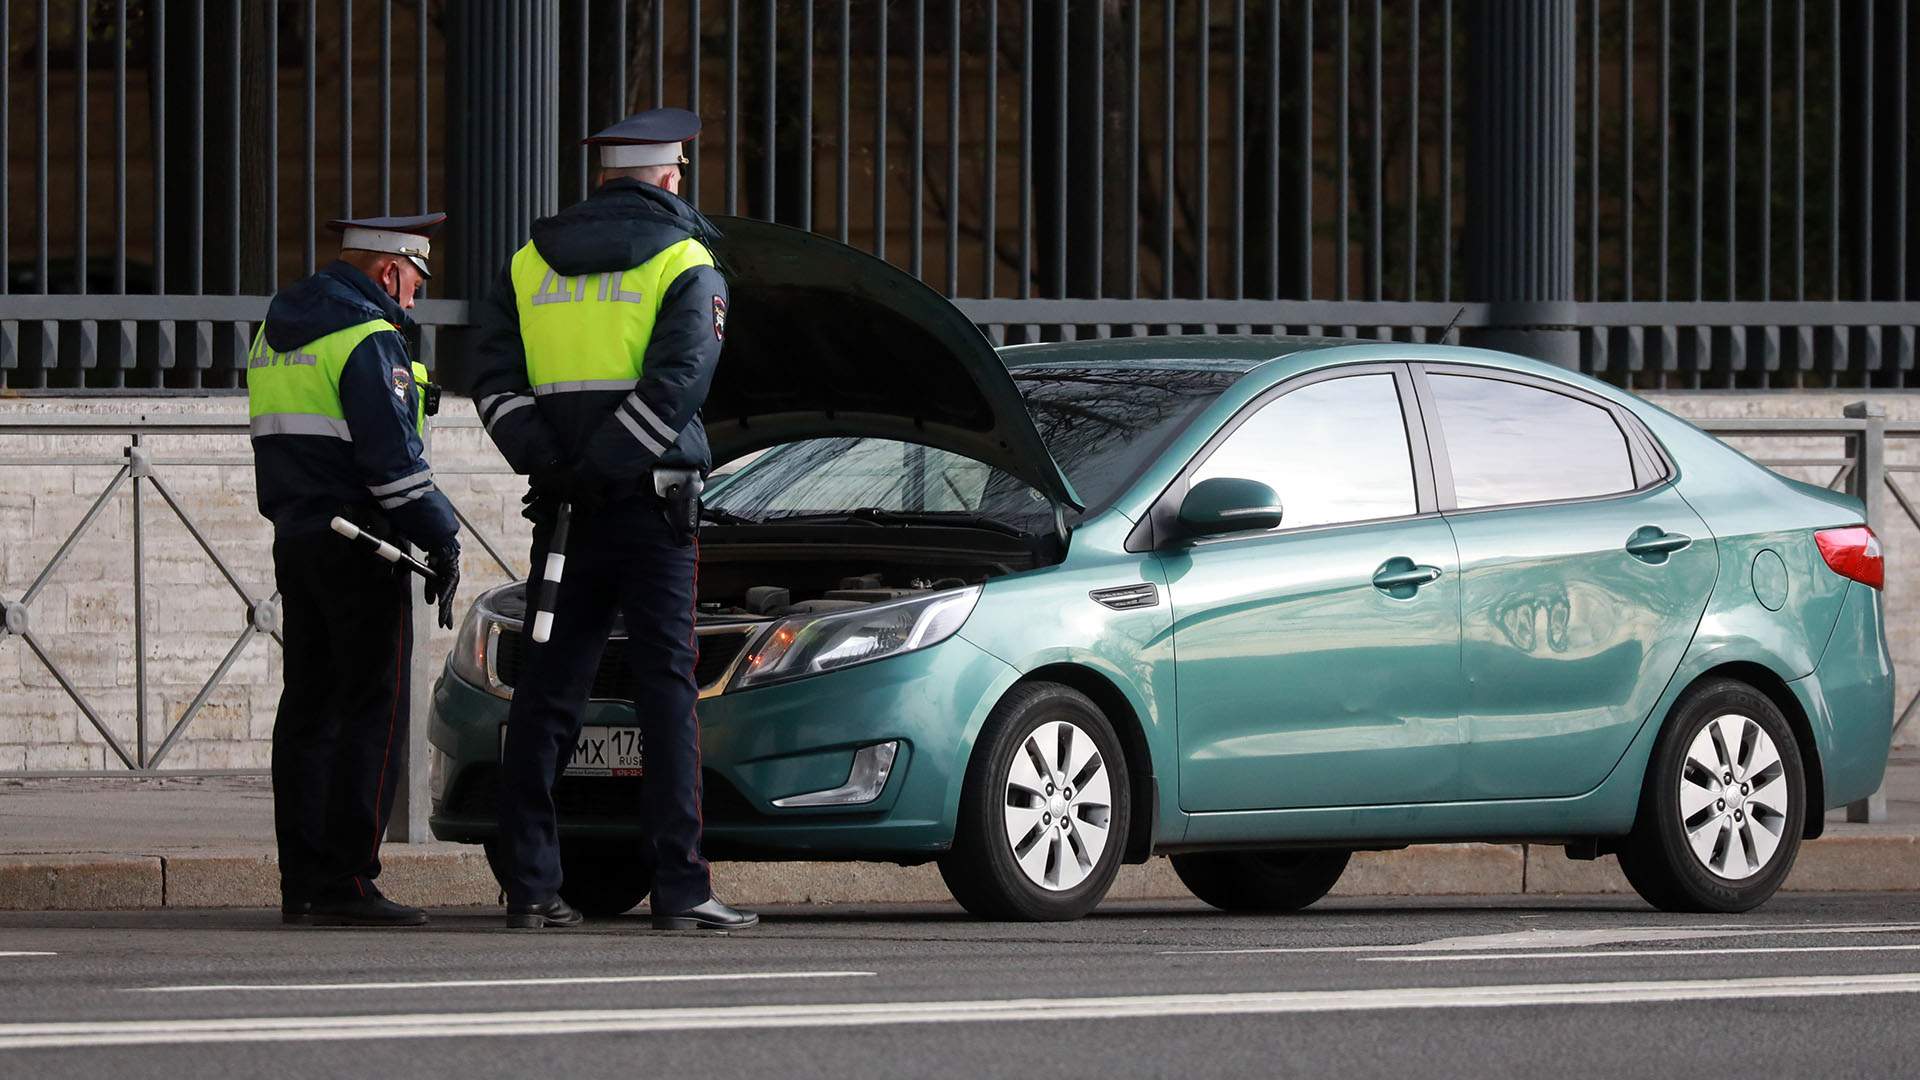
(402,381)
(719,317)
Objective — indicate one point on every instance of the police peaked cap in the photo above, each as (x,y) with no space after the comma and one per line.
(407,236)
(653,137)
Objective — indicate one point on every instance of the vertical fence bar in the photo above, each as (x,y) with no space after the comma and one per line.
(1026,150)
(1699,149)
(582,115)
(1095,240)
(6,144)
(1446,151)
(1061,118)
(733,107)
(1629,101)
(157,103)
(917,144)
(846,126)
(1236,245)
(1341,160)
(1376,155)
(953,148)
(805,157)
(119,151)
(1134,18)
(1593,150)
(1833,162)
(1273,151)
(45,29)
(1766,151)
(660,56)
(1413,151)
(693,94)
(990,151)
(1733,127)
(1169,192)
(420,104)
(236,134)
(386,107)
(1306,149)
(346,108)
(1866,154)
(1666,142)
(770,131)
(270,47)
(309,195)
(139,607)
(1900,155)
(198,139)
(1800,150)
(1203,100)
(880,135)
(80,12)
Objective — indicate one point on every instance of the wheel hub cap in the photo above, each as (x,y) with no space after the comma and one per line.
(1733,797)
(1058,805)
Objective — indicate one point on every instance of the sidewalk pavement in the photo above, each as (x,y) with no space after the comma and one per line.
(115,843)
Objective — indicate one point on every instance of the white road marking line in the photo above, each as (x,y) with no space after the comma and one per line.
(1562,939)
(29,954)
(1459,957)
(865,1014)
(454,984)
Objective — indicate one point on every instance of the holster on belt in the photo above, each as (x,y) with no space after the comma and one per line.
(680,490)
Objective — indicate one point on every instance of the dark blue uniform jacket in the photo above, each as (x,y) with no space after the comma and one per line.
(304,480)
(621,225)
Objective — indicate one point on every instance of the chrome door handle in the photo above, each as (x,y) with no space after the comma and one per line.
(1653,544)
(1401,578)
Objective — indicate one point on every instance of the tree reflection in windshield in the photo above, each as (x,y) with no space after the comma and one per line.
(1103,426)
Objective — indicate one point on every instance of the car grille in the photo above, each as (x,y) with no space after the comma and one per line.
(596,798)
(719,646)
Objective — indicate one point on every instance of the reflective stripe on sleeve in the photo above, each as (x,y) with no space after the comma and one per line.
(641,435)
(299,424)
(409,481)
(393,502)
(645,414)
(586,385)
(513,401)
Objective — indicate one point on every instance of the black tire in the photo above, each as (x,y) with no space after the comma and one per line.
(603,878)
(1261,881)
(1658,858)
(981,870)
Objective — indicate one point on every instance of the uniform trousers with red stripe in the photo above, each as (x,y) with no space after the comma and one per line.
(343,712)
(623,559)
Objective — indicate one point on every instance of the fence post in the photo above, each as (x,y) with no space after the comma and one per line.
(1869,483)
(1520,176)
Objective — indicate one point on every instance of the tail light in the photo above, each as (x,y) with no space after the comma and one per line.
(1853,553)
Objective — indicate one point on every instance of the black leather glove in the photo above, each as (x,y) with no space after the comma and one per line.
(570,482)
(444,561)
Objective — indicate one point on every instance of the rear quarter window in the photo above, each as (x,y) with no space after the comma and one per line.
(1511,443)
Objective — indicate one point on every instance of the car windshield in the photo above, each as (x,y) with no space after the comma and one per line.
(1103,426)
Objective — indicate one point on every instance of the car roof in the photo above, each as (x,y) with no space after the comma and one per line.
(1237,353)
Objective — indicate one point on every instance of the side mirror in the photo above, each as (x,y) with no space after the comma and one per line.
(1225,504)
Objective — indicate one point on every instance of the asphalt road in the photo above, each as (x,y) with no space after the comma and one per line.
(1810,985)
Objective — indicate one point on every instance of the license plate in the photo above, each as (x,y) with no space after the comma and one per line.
(601,751)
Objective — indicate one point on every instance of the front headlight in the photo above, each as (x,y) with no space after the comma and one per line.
(810,644)
(473,649)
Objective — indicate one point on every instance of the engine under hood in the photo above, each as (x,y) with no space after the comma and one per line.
(825,340)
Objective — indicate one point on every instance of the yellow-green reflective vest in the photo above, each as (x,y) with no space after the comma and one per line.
(298,392)
(420,381)
(590,332)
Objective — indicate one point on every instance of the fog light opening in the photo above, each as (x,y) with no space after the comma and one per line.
(865,780)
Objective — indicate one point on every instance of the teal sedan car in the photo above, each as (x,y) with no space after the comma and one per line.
(1255,603)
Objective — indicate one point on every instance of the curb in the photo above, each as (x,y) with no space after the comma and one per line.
(456,875)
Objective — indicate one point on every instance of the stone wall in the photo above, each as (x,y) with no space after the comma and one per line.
(84,615)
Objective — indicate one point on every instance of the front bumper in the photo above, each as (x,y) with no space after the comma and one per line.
(757,746)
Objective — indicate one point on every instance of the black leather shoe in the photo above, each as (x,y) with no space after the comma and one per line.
(712,915)
(370,910)
(554,912)
(296,912)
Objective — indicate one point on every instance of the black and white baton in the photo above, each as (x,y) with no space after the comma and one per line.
(550,575)
(380,547)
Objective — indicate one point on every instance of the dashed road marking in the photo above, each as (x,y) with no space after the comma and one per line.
(456,984)
(1564,939)
(1605,954)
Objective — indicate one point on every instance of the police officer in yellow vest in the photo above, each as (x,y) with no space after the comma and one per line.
(595,352)
(338,408)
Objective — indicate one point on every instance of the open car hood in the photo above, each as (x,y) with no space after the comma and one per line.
(825,340)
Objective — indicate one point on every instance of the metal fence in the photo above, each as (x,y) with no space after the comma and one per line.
(1707,194)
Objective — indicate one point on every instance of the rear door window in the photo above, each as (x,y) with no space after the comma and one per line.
(1512,443)
(1336,451)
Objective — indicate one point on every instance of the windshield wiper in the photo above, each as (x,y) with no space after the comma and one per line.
(724,517)
(873,515)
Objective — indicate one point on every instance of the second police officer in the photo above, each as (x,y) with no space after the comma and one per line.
(596,349)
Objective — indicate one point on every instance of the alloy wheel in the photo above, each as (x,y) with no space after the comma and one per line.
(1058,806)
(1733,797)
